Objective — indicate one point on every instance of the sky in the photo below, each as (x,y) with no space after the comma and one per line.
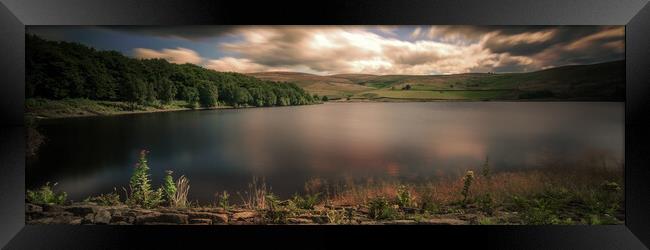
(380,50)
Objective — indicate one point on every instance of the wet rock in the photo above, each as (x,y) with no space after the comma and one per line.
(401,222)
(320,219)
(81,210)
(65,219)
(31,208)
(444,221)
(115,219)
(217,210)
(299,221)
(159,223)
(200,221)
(162,218)
(88,219)
(120,223)
(214,217)
(102,217)
(363,210)
(53,208)
(41,221)
(244,215)
(410,210)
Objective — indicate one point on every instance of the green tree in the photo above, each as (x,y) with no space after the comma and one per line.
(242,96)
(167,91)
(190,95)
(208,94)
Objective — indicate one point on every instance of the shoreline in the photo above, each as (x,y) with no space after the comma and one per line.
(87,113)
(126,113)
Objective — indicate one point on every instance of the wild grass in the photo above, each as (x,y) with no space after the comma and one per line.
(46,195)
(255,197)
(108,199)
(180,196)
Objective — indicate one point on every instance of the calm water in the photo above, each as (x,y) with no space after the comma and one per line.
(222,149)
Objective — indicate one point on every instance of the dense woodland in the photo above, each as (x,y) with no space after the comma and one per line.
(59,70)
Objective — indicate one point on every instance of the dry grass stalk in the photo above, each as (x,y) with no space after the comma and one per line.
(182,189)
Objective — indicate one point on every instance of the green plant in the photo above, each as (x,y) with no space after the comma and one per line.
(224,200)
(169,186)
(541,212)
(109,199)
(430,207)
(275,213)
(403,196)
(308,202)
(142,193)
(486,221)
(486,204)
(336,216)
(46,195)
(380,209)
(467,183)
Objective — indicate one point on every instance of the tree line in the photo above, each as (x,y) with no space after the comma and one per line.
(58,70)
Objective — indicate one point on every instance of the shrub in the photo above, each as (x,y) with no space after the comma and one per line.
(336,216)
(224,200)
(403,196)
(308,202)
(141,192)
(486,204)
(110,199)
(380,209)
(46,195)
(486,221)
(169,186)
(275,213)
(430,207)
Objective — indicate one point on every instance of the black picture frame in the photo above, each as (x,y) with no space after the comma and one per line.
(16,14)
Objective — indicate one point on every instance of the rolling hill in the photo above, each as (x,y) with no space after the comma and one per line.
(594,82)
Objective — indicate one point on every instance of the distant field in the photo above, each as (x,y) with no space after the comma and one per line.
(596,82)
(439,95)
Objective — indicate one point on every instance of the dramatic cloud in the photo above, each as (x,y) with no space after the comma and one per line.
(178,55)
(389,49)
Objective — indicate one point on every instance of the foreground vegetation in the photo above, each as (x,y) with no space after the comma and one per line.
(578,195)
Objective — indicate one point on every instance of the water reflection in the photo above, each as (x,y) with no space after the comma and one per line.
(220,150)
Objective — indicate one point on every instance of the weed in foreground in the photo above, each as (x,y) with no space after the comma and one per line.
(46,195)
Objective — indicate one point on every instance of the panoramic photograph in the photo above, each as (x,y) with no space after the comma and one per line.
(325,125)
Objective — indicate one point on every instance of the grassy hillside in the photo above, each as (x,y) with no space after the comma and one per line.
(595,82)
(332,86)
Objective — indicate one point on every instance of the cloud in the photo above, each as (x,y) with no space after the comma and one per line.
(400,49)
(178,55)
(231,64)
